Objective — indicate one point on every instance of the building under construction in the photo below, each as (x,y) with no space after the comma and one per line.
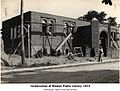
(50,34)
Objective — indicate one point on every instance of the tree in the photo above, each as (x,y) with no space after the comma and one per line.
(94,14)
(89,16)
(107,2)
(101,17)
(112,21)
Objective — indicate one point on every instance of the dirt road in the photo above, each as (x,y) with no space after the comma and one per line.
(98,73)
(106,66)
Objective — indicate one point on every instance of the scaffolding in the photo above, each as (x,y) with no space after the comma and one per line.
(66,37)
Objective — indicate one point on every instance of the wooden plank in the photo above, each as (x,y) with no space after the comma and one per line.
(63,42)
(28,41)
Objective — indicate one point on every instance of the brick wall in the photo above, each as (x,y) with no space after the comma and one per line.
(35,21)
(95,35)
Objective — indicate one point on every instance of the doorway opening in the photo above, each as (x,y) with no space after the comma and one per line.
(104,42)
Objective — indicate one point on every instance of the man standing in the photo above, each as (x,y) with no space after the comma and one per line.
(100,54)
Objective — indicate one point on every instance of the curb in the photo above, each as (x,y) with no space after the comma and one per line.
(58,66)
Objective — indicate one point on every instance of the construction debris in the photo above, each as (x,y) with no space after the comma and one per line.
(4,56)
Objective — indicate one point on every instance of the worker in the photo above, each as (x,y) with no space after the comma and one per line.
(71,56)
(100,54)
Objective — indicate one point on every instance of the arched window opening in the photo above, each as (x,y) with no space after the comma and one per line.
(44,26)
(66,27)
(69,27)
(72,26)
(51,27)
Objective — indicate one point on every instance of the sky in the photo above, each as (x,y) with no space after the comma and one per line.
(67,8)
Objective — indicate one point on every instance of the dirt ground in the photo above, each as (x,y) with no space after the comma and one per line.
(99,76)
(99,73)
(15,60)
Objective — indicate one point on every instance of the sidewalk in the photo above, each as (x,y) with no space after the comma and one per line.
(7,70)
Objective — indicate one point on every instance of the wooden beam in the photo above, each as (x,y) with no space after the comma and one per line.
(22,34)
(63,42)
(29,41)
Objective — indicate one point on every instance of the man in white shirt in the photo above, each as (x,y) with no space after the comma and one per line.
(100,54)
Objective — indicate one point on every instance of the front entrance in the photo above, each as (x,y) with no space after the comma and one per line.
(104,42)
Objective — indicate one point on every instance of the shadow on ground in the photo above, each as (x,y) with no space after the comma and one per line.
(101,76)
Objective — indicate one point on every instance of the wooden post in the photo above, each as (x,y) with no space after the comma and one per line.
(12,38)
(51,40)
(62,46)
(28,41)
(22,34)
(43,41)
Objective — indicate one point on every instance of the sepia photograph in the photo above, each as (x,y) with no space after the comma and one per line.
(60,41)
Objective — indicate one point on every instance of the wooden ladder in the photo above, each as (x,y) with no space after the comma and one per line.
(80,51)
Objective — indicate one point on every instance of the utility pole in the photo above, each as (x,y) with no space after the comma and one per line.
(22,34)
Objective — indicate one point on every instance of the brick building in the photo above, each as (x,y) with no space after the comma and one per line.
(48,31)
